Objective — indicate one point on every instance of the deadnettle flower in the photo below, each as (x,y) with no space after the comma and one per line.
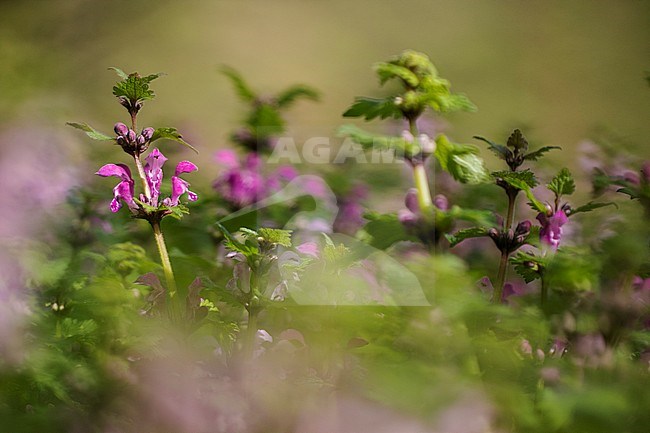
(153,171)
(181,186)
(243,183)
(551,231)
(124,190)
(131,142)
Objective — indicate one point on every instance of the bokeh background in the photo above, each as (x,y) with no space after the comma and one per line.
(563,70)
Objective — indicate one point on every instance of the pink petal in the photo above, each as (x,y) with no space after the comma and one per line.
(117,170)
(185,167)
(228,158)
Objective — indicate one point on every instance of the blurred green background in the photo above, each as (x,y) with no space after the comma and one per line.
(560,69)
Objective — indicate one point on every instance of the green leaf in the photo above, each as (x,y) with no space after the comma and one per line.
(90,131)
(534,156)
(134,87)
(562,183)
(629,191)
(517,141)
(591,206)
(276,236)
(243,90)
(387,71)
(171,134)
(370,108)
(515,178)
(384,230)
(231,243)
(123,75)
(333,253)
(378,142)
(528,266)
(461,235)
(293,93)
(499,149)
(461,161)
(480,217)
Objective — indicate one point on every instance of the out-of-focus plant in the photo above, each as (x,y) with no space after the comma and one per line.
(425,219)
(264,121)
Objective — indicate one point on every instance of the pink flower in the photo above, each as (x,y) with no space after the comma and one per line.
(551,232)
(124,190)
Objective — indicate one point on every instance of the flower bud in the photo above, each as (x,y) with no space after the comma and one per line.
(121,129)
(147,133)
(140,140)
(427,144)
(131,136)
(493,233)
(441,202)
(121,141)
(523,228)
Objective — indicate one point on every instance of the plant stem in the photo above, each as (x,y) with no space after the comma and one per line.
(503,263)
(420,176)
(544,290)
(143,176)
(167,270)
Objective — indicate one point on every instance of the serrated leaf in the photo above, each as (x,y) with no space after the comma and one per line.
(370,108)
(499,149)
(293,93)
(91,132)
(385,230)
(171,134)
(515,178)
(241,87)
(562,183)
(461,235)
(461,161)
(135,88)
(591,206)
(517,141)
(534,156)
(276,236)
(528,266)
(387,71)
(333,253)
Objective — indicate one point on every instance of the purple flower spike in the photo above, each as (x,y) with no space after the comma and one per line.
(124,189)
(551,231)
(180,186)
(153,170)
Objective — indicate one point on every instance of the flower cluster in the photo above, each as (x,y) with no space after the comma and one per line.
(132,143)
(153,170)
(244,183)
(552,222)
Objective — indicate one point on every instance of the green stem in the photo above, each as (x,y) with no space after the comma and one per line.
(420,175)
(503,263)
(143,176)
(544,291)
(167,270)
(501,278)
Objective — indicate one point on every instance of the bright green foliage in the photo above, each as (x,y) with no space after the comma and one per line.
(275,236)
(562,183)
(134,87)
(400,145)
(461,161)
(515,151)
(528,266)
(370,108)
(461,235)
(591,206)
(171,134)
(90,131)
(383,230)
(517,178)
(422,88)
(535,155)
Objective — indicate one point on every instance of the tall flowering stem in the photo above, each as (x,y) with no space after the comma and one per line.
(420,176)
(167,270)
